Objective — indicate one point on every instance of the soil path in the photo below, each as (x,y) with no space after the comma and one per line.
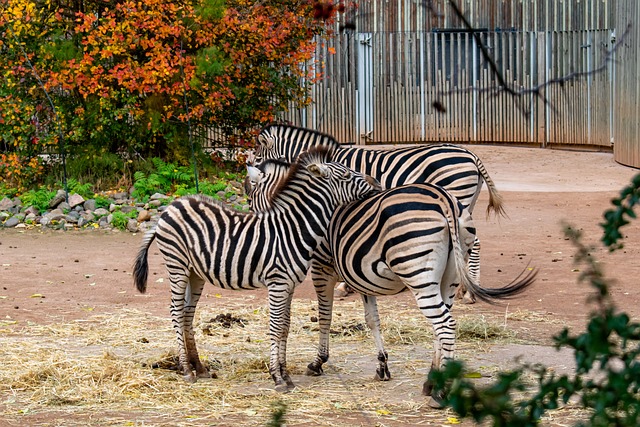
(48,277)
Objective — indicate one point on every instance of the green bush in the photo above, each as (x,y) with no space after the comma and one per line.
(39,198)
(120,219)
(609,346)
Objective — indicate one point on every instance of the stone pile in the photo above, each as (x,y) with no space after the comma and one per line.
(78,213)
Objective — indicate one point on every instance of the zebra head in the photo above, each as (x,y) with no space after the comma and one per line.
(313,176)
(262,181)
(286,142)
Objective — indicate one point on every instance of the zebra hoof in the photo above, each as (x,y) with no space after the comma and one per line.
(207,375)
(190,378)
(313,371)
(468,298)
(284,387)
(435,403)
(382,376)
(342,290)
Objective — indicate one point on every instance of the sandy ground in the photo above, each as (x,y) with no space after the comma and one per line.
(56,277)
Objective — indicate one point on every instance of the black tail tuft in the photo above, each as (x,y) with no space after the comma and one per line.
(516,287)
(141,265)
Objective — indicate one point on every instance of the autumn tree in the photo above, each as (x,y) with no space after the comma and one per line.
(126,76)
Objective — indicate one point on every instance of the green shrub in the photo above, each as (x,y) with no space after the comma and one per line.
(39,198)
(163,179)
(609,347)
(120,219)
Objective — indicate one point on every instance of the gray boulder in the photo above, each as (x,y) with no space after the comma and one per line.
(6,204)
(57,199)
(11,222)
(75,200)
(89,205)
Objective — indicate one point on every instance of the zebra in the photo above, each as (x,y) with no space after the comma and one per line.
(414,237)
(454,168)
(203,241)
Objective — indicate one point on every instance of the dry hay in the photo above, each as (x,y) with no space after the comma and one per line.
(103,367)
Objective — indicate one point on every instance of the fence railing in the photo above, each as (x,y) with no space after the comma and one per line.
(381,88)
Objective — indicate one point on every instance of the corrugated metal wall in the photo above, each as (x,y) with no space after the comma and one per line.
(381,83)
(626,123)
(381,88)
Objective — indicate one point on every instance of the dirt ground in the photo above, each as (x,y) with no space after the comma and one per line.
(55,277)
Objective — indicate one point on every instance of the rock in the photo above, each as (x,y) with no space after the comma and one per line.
(127,209)
(109,218)
(112,207)
(89,205)
(14,210)
(233,198)
(45,221)
(103,222)
(57,199)
(31,210)
(120,196)
(100,212)
(158,196)
(6,203)
(54,215)
(82,222)
(144,215)
(87,217)
(11,222)
(132,225)
(30,218)
(75,200)
(72,217)
(155,203)
(64,206)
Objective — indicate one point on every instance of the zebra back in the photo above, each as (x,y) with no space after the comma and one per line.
(235,250)
(449,166)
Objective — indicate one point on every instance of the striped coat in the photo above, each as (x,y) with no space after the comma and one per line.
(203,241)
(454,168)
(414,237)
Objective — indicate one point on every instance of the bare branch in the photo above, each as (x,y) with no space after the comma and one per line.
(502,85)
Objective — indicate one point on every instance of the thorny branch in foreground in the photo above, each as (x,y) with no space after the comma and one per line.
(503,86)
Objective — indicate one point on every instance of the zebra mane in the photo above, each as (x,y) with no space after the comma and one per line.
(313,155)
(211,201)
(272,164)
(294,134)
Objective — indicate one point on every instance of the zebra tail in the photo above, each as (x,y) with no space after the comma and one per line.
(141,265)
(488,295)
(495,199)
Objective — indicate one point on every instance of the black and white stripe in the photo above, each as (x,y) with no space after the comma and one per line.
(454,168)
(203,241)
(414,237)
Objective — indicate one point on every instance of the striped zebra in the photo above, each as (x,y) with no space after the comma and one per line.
(414,237)
(454,168)
(203,241)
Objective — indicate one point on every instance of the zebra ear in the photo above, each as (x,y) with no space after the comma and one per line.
(253,173)
(318,170)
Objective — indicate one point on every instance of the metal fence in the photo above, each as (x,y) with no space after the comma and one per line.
(381,88)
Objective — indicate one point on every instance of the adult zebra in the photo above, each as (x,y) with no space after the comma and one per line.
(412,237)
(203,241)
(454,168)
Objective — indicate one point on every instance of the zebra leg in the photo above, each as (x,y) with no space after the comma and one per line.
(280,297)
(373,322)
(324,281)
(179,301)
(196,284)
(474,270)
(435,309)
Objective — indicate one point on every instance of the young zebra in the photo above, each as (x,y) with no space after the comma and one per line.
(203,241)
(412,237)
(456,169)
